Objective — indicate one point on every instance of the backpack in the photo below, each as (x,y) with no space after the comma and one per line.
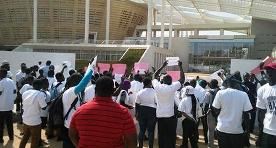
(56,117)
(53,91)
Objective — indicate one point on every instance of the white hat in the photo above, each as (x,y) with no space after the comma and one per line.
(189,90)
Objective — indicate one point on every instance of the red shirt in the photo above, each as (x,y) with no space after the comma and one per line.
(102,123)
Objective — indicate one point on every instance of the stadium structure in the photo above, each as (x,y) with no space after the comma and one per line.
(205,34)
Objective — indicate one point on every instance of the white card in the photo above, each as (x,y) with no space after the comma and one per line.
(172,61)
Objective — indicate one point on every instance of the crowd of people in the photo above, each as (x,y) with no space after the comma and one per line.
(91,109)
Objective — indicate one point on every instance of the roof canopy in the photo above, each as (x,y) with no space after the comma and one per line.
(216,11)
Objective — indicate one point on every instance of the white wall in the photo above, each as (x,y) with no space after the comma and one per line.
(32,58)
(243,65)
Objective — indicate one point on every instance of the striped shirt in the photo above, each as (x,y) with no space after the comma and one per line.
(102,123)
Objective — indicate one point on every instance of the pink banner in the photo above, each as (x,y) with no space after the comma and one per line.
(119,68)
(141,67)
(174,74)
(266,62)
(103,67)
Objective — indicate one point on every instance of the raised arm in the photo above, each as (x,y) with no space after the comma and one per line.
(85,80)
(182,75)
(156,73)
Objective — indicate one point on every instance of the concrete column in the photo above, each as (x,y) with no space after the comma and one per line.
(163,7)
(171,27)
(149,25)
(35,22)
(221,32)
(196,32)
(107,21)
(86,27)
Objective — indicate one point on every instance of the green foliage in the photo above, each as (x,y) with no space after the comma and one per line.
(131,57)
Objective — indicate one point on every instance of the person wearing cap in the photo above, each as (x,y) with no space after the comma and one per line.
(165,113)
(189,107)
(266,104)
(232,107)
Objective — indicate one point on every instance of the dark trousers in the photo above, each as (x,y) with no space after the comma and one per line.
(31,131)
(260,136)
(203,120)
(226,140)
(67,143)
(147,121)
(44,122)
(252,120)
(167,132)
(190,131)
(269,141)
(6,117)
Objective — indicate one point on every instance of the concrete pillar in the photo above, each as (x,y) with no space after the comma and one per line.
(221,32)
(86,27)
(171,27)
(163,7)
(107,21)
(35,22)
(149,24)
(196,32)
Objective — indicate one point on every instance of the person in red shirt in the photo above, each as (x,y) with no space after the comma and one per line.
(103,123)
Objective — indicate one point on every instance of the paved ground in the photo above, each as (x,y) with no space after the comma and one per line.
(54,144)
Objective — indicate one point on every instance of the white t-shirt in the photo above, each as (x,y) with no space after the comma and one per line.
(232,103)
(89,93)
(136,86)
(186,106)
(51,81)
(199,93)
(146,97)
(165,98)
(8,89)
(19,76)
(45,70)
(60,86)
(68,98)
(44,113)
(266,99)
(33,102)
(25,88)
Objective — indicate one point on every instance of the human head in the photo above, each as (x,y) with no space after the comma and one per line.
(73,80)
(59,76)
(72,71)
(232,82)
(167,79)
(28,71)
(45,83)
(3,73)
(51,73)
(213,84)
(104,87)
(246,77)
(202,83)
(29,80)
(6,65)
(35,68)
(237,76)
(138,78)
(51,67)
(48,62)
(271,73)
(193,83)
(126,85)
(147,82)
(37,84)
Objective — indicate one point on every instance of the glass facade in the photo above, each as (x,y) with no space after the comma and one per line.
(210,55)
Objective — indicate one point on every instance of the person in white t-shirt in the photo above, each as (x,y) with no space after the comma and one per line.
(76,86)
(28,85)
(266,104)
(33,102)
(232,107)
(146,112)
(165,113)
(46,68)
(136,85)
(51,78)
(189,107)
(45,112)
(7,97)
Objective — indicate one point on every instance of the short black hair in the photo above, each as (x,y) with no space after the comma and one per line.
(193,83)
(147,81)
(72,71)
(104,87)
(213,84)
(59,76)
(138,78)
(48,62)
(37,84)
(3,72)
(73,80)
(51,73)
